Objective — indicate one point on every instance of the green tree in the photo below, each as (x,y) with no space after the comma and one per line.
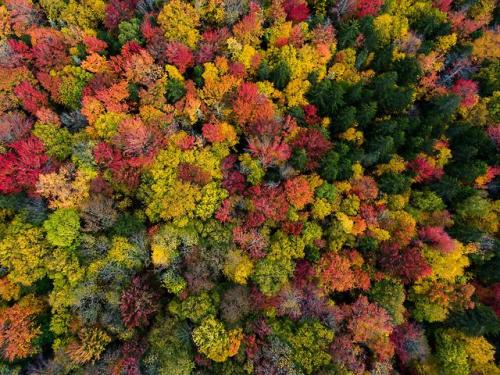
(62,227)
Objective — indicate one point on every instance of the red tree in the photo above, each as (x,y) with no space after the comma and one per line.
(138,303)
(179,55)
(31,98)
(20,167)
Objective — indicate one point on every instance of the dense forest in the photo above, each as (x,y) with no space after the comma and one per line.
(231,187)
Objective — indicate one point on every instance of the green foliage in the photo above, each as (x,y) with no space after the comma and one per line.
(391,296)
(170,348)
(58,141)
(328,96)
(451,355)
(280,75)
(130,30)
(309,342)
(62,227)
(175,90)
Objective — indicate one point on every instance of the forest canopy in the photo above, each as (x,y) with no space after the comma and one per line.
(230,187)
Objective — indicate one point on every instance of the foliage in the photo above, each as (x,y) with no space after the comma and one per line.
(249,187)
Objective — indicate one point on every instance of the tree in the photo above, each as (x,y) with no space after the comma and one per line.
(368,324)
(20,167)
(391,296)
(410,343)
(18,328)
(214,341)
(62,227)
(238,267)
(179,22)
(89,347)
(138,303)
(23,252)
(31,98)
(170,352)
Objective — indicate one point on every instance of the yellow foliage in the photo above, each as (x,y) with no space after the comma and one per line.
(106,125)
(396,165)
(487,46)
(295,91)
(321,208)
(447,266)
(170,198)
(66,188)
(238,266)
(353,135)
(246,55)
(4,22)
(479,350)
(390,27)
(85,13)
(346,223)
(252,168)
(445,42)
(179,21)
(9,291)
(22,252)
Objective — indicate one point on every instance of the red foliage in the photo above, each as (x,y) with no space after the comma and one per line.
(19,51)
(341,272)
(365,188)
(368,324)
(296,10)
(94,44)
(234,181)
(123,170)
(117,11)
(269,150)
(20,167)
(464,25)
(311,114)
(212,41)
(179,55)
(269,201)
(31,98)
(314,143)
(251,241)
(410,343)
(334,272)
(489,296)
(346,353)
(14,126)
(186,143)
(138,303)
(250,106)
(23,15)
(425,171)
(368,7)
(293,228)
(438,238)
(409,263)
(303,274)
(467,91)
(443,5)
(192,173)
(18,329)
(249,23)
(137,140)
(214,132)
(156,42)
(298,191)
(223,214)
(129,364)
(49,49)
